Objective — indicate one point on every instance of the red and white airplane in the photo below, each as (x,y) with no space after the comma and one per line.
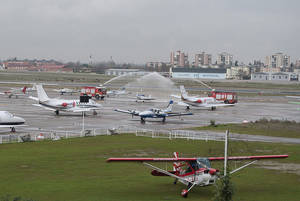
(195,101)
(194,171)
(15,92)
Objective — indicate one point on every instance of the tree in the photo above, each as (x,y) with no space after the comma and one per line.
(225,189)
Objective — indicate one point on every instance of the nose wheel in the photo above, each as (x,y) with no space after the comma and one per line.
(184,193)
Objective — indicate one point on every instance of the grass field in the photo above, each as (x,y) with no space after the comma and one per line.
(76,169)
(275,128)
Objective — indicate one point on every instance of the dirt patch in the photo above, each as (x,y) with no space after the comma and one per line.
(285,167)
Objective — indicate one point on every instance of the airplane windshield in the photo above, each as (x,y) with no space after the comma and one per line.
(203,163)
(8,114)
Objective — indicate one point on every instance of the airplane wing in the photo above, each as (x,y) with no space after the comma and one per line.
(78,109)
(183,104)
(194,159)
(216,105)
(248,157)
(47,108)
(9,126)
(178,114)
(33,98)
(132,112)
(176,96)
(149,159)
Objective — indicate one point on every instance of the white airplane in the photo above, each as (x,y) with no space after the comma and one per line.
(15,92)
(116,92)
(8,120)
(65,91)
(57,105)
(207,102)
(143,98)
(154,113)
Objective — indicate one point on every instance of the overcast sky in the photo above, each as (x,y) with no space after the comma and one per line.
(139,31)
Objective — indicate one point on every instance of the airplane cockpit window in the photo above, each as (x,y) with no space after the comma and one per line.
(203,163)
(8,114)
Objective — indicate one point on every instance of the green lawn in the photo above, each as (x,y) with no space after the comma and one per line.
(273,128)
(76,169)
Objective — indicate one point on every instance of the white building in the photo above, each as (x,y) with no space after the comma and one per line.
(275,76)
(117,72)
(204,73)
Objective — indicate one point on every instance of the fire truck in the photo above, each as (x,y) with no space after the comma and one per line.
(96,92)
(227,97)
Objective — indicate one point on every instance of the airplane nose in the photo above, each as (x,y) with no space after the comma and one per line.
(20,120)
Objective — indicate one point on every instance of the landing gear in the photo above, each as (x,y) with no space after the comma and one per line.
(94,112)
(13,130)
(142,120)
(97,96)
(184,193)
(57,112)
(187,107)
(213,108)
(164,119)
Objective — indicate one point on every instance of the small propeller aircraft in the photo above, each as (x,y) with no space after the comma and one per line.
(57,105)
(154,113)
(116,92)
(194,171)
(143,98)
(15,92)
(8,120)
(207,102)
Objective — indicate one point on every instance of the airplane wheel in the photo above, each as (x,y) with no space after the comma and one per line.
(188,107)
(142,120)
(94,112)
(13,130)
(164,120)
(184,193)
(56,112)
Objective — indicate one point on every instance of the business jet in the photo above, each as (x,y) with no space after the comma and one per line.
(207,102)
(57,105)
(8,120)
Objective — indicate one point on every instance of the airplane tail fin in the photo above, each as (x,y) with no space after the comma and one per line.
(169,107)
(24,89)
(42,96)
(183,92)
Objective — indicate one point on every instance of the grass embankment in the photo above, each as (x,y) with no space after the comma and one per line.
(274,128)
(76,169)
(53,77)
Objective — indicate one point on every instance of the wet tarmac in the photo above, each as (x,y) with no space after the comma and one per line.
(248,108)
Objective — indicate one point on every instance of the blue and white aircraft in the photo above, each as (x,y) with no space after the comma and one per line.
(154,113)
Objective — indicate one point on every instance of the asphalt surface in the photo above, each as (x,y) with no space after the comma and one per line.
(248,108)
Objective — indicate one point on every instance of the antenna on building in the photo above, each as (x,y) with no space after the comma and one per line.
(90,60)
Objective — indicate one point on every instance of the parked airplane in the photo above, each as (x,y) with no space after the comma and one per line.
(65,91)
(194,171)
(143,98)
(15,92)
(208,102)
(8,120)
(154,113)
(116,92)
(57,105)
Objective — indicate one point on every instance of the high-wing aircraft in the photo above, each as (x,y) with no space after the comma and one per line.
(207,102)
(154,113)
(116,92)
(57,105)
(195,171)
(8,120)
(143,98)
(65,91)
